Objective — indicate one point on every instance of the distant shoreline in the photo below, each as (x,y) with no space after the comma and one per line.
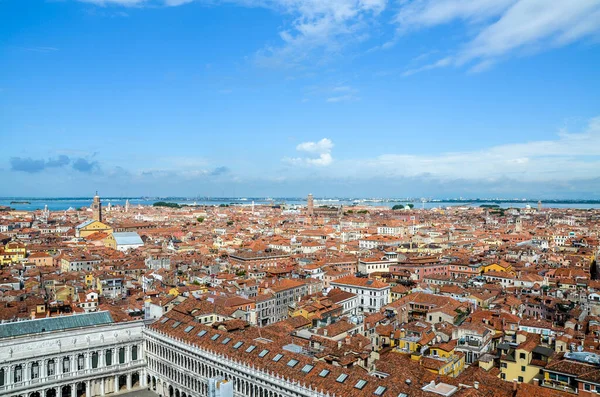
(150,200)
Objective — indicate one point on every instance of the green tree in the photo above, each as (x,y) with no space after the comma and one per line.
(165,204)
(200,219)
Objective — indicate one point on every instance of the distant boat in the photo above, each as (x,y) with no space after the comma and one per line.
(20,202)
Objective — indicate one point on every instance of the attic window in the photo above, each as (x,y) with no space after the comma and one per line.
(292,363)
(278,357)
(380,390)
(250,348)
(215,337)
(324,373)
(342,378)
(307,368)
(226,341)
(263,353)
(360,384)
(238,345)
(202,333)
(176,324)
(188,329)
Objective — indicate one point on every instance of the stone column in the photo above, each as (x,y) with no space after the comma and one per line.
(88,388)
(73,389)
(128,382)
(74,363)
(88,361)
(101,360)
(102,381)
(116,383)
(127,354)
(26,371)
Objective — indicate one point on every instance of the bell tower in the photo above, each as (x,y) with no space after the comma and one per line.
(97,208)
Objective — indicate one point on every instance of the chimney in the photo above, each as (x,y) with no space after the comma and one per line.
(476,385)
(536,381)
(515,383)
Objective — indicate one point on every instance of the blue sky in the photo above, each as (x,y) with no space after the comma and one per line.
(477,98)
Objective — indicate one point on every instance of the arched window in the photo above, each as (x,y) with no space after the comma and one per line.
(134,352)
(95,360)
(1,376)
(80,362)
(66,365)
(51,368)
(108,357)
(121,355)
(18,374)
(35,370)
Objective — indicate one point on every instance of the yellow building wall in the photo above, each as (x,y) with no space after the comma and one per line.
(497,268)
(513,369)
(93,228)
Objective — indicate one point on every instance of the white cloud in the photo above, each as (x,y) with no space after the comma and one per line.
(314,31)
(503,27)
(320,28)
(320,152)
(323,146)
(567,157)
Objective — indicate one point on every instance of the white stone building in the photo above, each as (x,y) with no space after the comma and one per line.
(71,356)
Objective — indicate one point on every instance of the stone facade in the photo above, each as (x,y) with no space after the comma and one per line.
(85,361)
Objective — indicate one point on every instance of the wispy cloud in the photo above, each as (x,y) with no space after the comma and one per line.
(342,98)
(315,31)
(125,3)
(567,157)
(319,29)
(503,27)
(41,49)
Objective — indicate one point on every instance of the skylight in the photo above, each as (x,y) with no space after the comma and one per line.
(238,345)
(226,341)
(277,357)
(380,390)
(202,333)
(307,368)
(164,320)
(188,329)
(292,363)
(250,348)
(360,384)
(324,373)
(215,337)
(342,378)
(263,353)
(176,324)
